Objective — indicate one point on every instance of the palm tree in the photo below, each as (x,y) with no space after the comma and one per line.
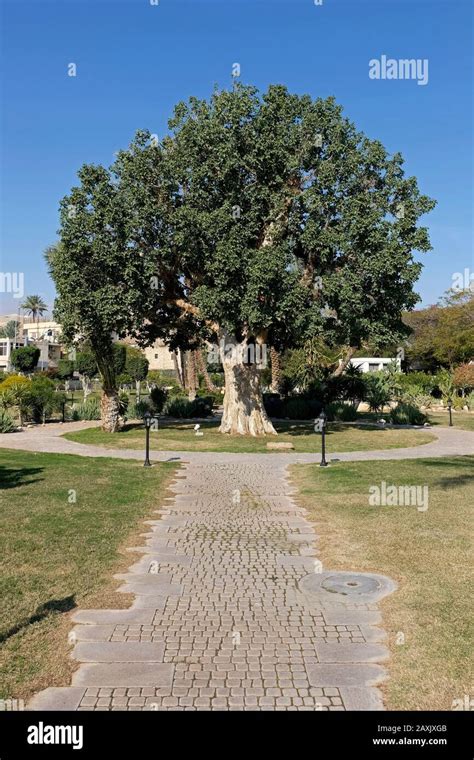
(35,306)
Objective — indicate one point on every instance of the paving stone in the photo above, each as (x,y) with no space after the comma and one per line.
(57,698)
(118,652)
(345,674)
(351,652)
(124,674)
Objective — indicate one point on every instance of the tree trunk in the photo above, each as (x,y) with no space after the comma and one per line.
(177,369)
(340,369)
(191,375)
(244,413)
(276,370)
(137,390)
(86,386)
(201,365)
(110,411)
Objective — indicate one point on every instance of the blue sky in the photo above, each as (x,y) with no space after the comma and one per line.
(136,60)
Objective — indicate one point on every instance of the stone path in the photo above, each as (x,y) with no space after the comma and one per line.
(232,611)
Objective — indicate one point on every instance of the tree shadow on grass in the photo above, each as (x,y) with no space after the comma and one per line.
(48,608)
(452,481)
(306,428)
(20,476)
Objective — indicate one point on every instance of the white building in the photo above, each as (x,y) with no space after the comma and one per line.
(374,363)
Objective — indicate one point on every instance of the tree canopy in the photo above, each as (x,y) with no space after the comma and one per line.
(260,219)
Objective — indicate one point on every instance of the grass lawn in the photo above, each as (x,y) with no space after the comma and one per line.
(461,420)
(177,436)
(56,555)
(428,553)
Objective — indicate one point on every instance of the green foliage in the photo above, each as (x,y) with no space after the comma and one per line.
(7,424)
(42,398)
(182,408)
(88,410)
(407,414)
(35,306)
(136,410)
(85,363)
(25,358)
(65,369)
(136,364)
(445,383)
(158,398)
(378,392)
(442,335)
(10,330)
(338,411)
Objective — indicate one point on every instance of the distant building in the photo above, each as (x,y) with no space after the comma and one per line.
(374,363)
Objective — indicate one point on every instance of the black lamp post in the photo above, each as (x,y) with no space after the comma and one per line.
(450,410)
(323,421)
(147,421)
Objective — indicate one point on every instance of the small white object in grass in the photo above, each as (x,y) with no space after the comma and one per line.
(196,429)
(382,422)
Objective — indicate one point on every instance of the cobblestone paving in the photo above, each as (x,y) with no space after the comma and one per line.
(220,621)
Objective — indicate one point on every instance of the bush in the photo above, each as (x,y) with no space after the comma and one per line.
(158,396)
(407,414)
(7,424)
(340,412)
(136,411)
(273,404)
(214,399)
(88,410)
(378,392)
(421,379)
(182,408)
(42,398)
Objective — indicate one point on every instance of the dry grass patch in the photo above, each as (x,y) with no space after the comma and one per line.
(57,555)
(428,553)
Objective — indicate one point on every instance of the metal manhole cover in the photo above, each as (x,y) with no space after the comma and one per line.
(351,584)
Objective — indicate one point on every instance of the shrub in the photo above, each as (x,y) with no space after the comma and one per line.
(158,396)
(470,401)
(123,403)
(301,408)
(41,398)
(7,424)
(378,392)
(137,410)
(182,408)
(214,399)
(88,410)
(338,411)
(407,414)
(273,404)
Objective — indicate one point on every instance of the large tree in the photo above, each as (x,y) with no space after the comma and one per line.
(102,278)
(284,223)
(267,220)
(442,335)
